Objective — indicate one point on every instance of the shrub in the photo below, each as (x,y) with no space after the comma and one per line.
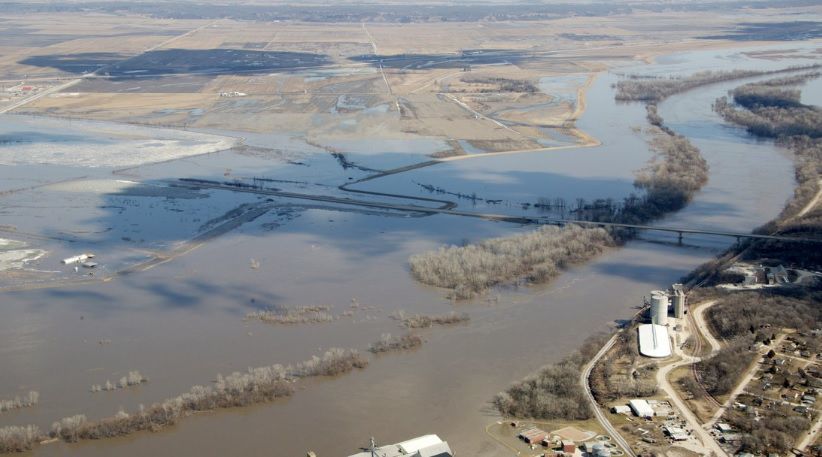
(134,378)
(298,315)
(429,320)
(18,438)
(26,401)
(389,343)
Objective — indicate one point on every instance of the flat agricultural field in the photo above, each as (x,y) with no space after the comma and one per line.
(480,86)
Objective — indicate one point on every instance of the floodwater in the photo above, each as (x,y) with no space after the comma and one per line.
(181,322)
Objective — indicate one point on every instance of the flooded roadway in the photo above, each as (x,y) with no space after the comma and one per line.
(181,322)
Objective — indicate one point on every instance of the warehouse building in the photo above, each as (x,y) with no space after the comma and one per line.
(654,341)
(641,408)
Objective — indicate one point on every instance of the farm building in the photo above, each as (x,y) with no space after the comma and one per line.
(641,408)
(533,435)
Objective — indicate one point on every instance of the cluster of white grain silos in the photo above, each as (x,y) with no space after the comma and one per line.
(661,300)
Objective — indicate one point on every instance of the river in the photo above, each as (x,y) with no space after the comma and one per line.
(181,322)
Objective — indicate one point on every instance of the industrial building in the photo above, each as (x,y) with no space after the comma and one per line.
(641,408)
(423,446)
(654,341)
(676,433)
(621,409)
(533,435)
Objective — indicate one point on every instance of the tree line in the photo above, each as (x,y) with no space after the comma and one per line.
(658,89)
(18,402)
(535,257)
(256,385)
(554,392)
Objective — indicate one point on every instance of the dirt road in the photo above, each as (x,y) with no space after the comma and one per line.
(702,325)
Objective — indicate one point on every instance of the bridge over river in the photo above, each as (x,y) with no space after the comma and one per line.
(448,208)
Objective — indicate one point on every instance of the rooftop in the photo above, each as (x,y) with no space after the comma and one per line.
(654,341)
(423,446)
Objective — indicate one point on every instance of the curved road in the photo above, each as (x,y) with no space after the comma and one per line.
(707,440)
(584,379)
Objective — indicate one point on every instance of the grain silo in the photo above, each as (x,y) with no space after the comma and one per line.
(659,307)
(678,299)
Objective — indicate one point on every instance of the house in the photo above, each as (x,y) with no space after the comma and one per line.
(724,428)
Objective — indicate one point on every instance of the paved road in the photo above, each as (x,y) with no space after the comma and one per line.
(488,216)
(810,436)
(702,325)
(708,441)
(584,379)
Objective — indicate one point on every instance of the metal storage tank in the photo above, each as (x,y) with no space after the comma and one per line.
(599,450)
(659,308)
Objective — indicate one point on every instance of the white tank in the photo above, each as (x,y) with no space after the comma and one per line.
(659,308)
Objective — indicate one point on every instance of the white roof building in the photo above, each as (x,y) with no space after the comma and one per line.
(654,341)
(621,409)
(423,446)
(641,408)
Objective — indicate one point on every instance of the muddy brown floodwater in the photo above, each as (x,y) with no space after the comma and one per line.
(180,323)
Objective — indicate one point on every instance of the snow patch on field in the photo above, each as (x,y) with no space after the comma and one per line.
(39,140)
(14,257)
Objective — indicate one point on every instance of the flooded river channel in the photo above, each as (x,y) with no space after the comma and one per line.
(181,322)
